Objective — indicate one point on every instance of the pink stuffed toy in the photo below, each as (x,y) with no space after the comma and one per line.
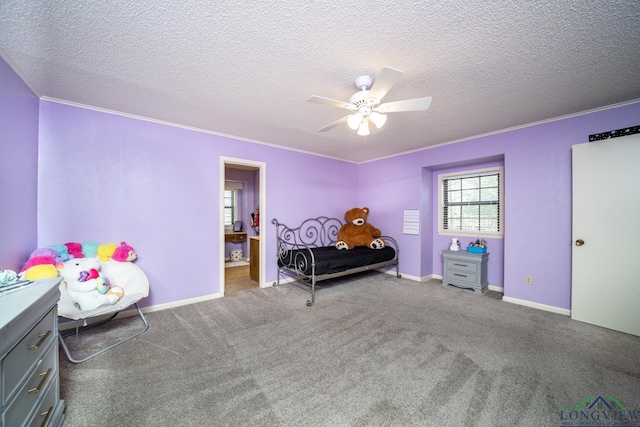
(102,283)
(38,260)
(75,250)
(124,253)
(42,256)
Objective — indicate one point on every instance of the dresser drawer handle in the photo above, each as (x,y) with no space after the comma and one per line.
(44,376)
(43,337)
(46,414)
(461,275)
(459,265)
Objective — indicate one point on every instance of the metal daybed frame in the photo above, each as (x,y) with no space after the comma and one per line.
(298,260)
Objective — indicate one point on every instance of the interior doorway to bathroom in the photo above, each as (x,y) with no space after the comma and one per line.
(243,203)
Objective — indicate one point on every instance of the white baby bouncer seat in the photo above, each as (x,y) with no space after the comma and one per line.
(126,275)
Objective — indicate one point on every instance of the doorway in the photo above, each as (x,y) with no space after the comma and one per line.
(249,179)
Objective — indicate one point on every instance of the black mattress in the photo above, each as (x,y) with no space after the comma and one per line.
(331,260)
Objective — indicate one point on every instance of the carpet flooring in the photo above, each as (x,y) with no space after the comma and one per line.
(374,350)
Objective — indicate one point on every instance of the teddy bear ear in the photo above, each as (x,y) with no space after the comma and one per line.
(366,210)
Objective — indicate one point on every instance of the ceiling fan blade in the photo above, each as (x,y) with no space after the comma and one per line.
(387,79)
(334,124)
(331,102)
(416,104)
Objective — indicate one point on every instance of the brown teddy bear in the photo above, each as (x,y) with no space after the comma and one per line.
(358,232)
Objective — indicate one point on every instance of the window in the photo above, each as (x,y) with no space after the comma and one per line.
(231,202)
(470,203)
(229,207)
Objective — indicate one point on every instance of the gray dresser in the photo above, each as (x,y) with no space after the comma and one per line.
(465,270)
(29,375)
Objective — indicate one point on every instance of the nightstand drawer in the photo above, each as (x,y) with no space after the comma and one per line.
(20,360)
(460,276)
(458,265)
(31,391)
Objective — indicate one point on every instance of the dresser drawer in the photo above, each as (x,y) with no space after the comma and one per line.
(461,277)
(31,348)
(31,391)
(458,265)
(44,412)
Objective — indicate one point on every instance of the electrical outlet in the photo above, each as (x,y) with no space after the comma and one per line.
(528,280)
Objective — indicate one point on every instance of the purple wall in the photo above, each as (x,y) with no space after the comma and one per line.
(19,170)
(106,178)
(537,162)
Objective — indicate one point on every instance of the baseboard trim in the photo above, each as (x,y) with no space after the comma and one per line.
(392,272)
(500,289)
(71,324)
(537,305)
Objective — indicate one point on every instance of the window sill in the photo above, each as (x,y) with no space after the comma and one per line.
(473,234)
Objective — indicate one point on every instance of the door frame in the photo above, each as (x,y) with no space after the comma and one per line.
(262,168)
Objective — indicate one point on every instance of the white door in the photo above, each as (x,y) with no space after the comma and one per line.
(605,284)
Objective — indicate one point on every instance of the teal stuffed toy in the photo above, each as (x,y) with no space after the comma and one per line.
(90,250)
(62,250)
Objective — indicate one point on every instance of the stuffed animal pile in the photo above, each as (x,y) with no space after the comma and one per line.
(79,265)
(86,286)
(358,232)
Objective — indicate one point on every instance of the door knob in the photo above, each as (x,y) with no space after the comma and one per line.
(579,242)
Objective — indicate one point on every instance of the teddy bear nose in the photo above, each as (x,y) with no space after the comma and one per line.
(359,221)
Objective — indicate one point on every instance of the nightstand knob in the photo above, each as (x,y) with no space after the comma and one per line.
(579,242)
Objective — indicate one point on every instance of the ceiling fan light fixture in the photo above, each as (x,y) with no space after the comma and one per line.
(366,103)
(363,130)
(354,120)
(378,119)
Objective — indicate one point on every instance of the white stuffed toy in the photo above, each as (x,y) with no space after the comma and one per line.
(86,286)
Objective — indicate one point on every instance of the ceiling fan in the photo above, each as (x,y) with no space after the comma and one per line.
(365,105)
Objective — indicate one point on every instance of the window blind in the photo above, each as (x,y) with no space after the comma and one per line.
(471,203)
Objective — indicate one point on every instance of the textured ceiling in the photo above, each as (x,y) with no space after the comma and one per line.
(246,68)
